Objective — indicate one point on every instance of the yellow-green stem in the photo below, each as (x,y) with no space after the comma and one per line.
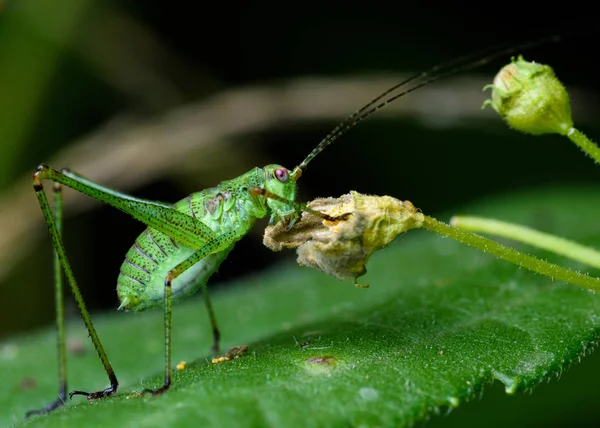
(584,143)
(549,242)
(484,244)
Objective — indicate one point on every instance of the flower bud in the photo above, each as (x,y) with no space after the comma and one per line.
(530,98)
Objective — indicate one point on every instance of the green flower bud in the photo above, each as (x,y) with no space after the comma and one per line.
(530,98)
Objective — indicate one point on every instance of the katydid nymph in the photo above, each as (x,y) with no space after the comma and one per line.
(185,242)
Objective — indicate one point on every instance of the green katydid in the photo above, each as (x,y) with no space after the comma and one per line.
(186,242)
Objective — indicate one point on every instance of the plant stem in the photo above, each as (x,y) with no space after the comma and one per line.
(487,245)
(584,143)
(529,236)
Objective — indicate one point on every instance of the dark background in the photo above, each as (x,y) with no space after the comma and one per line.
(143,60)
(68,68)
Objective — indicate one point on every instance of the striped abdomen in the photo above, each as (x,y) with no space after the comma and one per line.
(225,208)
(142,277)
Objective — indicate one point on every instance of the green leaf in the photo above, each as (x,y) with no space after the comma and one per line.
(439,322)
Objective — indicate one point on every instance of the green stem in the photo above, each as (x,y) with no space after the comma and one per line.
(511,255)
(584,143)
(529,236)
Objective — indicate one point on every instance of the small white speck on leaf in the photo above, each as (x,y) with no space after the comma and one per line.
(368,394)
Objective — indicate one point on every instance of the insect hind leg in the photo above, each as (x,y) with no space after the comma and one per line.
(53,220)
(60,314)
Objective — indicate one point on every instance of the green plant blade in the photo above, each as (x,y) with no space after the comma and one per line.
(439,322)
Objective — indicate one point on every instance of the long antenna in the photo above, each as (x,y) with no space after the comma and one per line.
(463,63)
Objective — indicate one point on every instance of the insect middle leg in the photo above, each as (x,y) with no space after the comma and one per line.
(219,243)
(213,321)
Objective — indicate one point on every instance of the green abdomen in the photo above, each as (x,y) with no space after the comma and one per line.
(141,280)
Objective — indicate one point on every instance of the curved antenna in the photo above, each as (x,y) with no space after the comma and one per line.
(438,72)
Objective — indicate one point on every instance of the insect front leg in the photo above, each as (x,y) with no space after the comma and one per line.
(219,243)
(54,223)
(298,208)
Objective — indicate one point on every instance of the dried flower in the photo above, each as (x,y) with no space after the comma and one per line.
(341,248)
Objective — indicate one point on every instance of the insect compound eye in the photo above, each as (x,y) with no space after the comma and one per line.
(281,174)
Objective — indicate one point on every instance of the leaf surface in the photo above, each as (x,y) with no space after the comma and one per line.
(439,323)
